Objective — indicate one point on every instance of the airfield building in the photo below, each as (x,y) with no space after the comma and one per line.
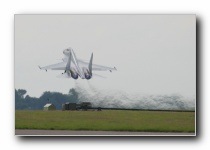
(69,106)
(85,105)
(49,106)
(66,106)
(74,106)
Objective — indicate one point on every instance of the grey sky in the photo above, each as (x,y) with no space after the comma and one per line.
(154,54)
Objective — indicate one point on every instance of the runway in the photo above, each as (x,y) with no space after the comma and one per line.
(22,132)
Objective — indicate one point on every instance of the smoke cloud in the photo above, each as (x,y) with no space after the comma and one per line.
(120,99)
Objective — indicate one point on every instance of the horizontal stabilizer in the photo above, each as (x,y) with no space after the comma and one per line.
(99,76)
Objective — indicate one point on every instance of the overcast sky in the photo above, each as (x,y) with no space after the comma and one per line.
(153,54)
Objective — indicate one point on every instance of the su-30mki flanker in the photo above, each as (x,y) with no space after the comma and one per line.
(74,68)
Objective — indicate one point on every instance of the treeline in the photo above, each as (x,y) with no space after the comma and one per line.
(23,102)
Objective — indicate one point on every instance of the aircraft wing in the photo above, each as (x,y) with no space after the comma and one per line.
(102,68)
(96,67)
(58,66)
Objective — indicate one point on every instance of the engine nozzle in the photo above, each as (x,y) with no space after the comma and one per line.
(87,76)
(74,74)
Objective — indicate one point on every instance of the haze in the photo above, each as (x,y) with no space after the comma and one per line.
(153,54)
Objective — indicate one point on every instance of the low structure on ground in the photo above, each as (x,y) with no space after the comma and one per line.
(49,106)
(69,106)
(74,106)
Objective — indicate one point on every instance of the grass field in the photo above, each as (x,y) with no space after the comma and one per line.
(107,120)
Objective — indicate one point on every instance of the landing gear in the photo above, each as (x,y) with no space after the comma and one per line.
(64,72)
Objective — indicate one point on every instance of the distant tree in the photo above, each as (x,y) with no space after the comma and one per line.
(34,103)
(56,98)
(19,99)
(17,96)
(21,92)
(73,95)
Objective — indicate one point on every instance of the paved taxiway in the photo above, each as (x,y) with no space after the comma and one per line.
(20,132)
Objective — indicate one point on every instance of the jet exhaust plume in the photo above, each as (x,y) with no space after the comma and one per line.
(121,99)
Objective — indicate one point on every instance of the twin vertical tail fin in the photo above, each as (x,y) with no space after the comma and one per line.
(90,64)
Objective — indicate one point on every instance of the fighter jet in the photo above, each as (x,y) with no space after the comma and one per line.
(74,68)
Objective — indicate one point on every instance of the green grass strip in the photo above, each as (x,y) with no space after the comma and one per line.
(107,120)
